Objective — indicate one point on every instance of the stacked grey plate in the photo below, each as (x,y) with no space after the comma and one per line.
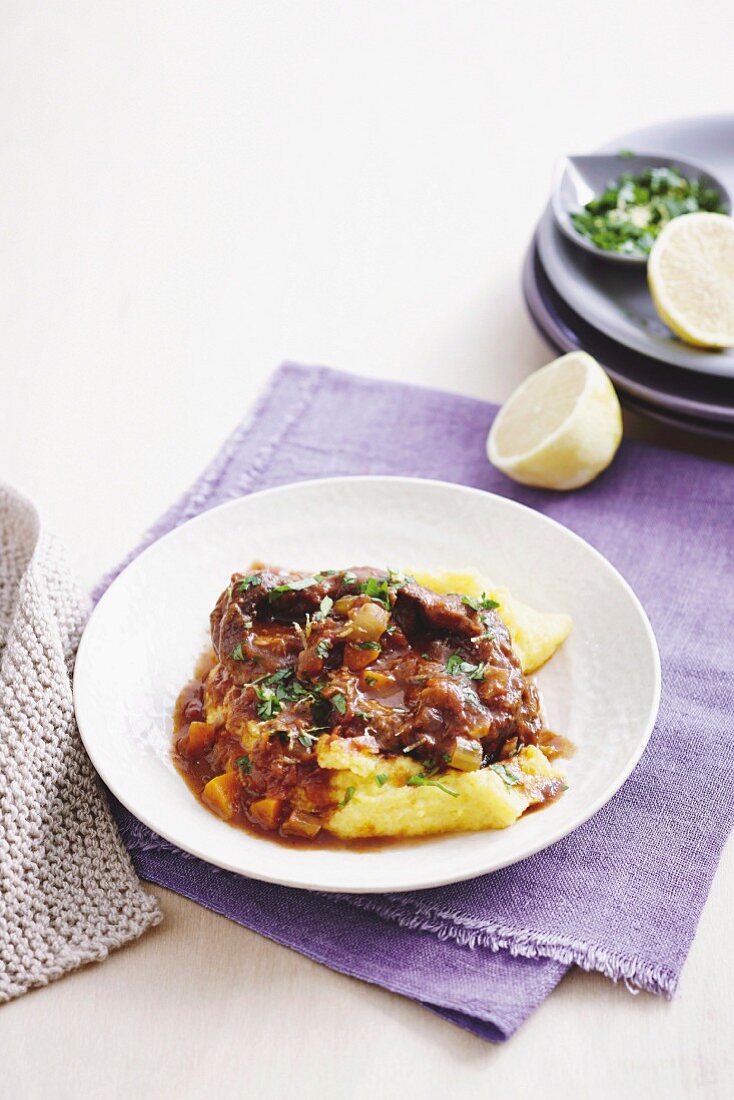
(578,300)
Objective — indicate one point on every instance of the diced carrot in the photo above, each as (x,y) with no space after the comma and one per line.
(200,738)
(220,794)
(378,682)
(266,812)
(356,658)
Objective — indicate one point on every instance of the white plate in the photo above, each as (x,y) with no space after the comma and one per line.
(601,689)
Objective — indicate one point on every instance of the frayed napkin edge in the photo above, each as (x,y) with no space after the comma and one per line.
(637,974)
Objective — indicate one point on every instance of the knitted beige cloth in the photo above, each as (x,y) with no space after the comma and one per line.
(68,892)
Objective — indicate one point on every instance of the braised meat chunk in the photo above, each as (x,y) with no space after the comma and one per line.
(414,669)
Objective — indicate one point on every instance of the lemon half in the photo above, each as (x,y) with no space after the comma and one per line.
(560,428)
(691,278)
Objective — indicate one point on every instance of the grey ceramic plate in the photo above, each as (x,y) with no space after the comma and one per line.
(614,298)
(704,405)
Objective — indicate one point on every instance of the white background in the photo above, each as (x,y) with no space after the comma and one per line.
(190,193)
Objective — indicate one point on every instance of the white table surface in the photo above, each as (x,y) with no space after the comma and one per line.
(190,193)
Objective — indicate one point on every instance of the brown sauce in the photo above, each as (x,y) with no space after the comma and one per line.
(196,773)
(555,745)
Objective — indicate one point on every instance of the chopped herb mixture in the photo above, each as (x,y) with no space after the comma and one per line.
(634,209)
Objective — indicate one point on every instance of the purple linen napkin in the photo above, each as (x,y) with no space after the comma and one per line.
(623,894)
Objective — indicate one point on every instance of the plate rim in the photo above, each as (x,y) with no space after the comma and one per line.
(716,421)
(427,881)
(548,231)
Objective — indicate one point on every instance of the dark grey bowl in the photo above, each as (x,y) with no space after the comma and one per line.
(579,179)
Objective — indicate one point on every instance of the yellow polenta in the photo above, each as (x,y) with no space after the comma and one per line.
(536,635)
(486,799)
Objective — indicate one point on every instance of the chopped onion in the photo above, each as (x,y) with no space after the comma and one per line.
(368,622)
(343,604)
(356,657)
(467,755)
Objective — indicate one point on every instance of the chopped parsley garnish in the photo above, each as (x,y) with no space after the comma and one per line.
(347,797)
(309,737)
(457,664)
(475,672)
(323,649)
(506,776)
(396,579)
(377,590)
(630,214)
(368,645)
(280,676)
(237,654)
(270,705)
(370,679)
(481,603)
(293,586)
(381,780)
(245,763)
(421,780)
(278,688)
(349,577)
(248,582)
(339,702)
(324,608)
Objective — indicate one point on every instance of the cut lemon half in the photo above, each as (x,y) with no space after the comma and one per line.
(560,428)
(691,278)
